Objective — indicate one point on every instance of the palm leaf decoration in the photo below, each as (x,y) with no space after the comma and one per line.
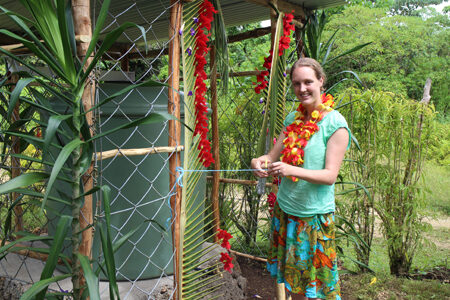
(275,101)
(194,281)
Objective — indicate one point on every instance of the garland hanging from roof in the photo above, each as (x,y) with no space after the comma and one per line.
(203,22)
(283,44)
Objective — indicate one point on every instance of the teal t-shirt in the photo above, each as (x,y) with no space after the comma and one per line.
(304,199)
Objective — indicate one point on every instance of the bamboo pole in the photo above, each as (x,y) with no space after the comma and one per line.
(83,27)
(261,259)
(136,152)
(173,108)
(215,140)
(30,253)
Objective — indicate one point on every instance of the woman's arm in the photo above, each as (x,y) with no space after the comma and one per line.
(273,155)
(336,147)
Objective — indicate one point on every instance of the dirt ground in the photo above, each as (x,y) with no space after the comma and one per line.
(261,286)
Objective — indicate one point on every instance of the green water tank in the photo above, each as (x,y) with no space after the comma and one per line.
(139,184)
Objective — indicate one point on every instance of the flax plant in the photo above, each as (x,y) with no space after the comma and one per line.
(49,36)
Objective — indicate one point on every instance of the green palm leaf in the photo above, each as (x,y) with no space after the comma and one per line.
(195,220)
(274,116)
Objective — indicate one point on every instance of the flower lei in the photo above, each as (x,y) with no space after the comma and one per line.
(225,258)
(299,132)
(205,17)
(283,44)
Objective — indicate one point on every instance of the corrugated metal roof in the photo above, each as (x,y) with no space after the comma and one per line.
(154,15)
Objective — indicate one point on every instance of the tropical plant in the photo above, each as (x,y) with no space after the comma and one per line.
(314,47)
(194,280)
(390,164)
(49,35)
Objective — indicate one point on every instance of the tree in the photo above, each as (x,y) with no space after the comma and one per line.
(405,50)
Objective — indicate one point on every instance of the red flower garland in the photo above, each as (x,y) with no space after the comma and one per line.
(226,259)
(282,45)
(225,237)
(299,132)
(205,17)
(271,199)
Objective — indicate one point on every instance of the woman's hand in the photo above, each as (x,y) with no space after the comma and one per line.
(260,164)
(280,169)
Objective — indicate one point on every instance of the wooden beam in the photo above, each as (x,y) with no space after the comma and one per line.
(12,47)
(81,10)
(283,6)
(173,107)
(215,142)
(136,152)
(19,249)
(238,181)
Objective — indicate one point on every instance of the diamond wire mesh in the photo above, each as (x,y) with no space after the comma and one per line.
(139,184)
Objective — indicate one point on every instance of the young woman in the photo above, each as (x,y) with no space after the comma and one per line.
(307,155)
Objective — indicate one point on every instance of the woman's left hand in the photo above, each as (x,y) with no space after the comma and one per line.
(279,169)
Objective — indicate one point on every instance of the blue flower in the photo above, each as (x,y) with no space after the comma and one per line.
(261,100)
(189,51)
(190,93)
(195,20)
(192,31)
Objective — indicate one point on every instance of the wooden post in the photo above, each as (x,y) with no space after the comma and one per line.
(280,293)
(299,42)
(215,140)
(82,23)
(173,108)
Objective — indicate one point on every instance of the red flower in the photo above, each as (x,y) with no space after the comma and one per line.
(226,260)
(38,132)
(271,199)
(206,16)
(225,237)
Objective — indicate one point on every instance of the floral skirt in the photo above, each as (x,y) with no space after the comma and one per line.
(302,254)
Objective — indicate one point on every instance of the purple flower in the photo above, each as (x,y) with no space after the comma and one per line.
(190,93)
(284,74)
(261,100)
(195,20)
(189,51)
(180,32)
(192,31)
(263,112)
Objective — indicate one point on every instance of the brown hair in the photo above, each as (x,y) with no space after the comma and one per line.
(311,63)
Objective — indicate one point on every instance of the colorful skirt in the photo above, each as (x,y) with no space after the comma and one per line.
(302,254)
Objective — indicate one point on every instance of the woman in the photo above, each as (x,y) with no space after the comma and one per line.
(307,155)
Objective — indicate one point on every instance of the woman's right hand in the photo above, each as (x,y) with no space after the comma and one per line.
(260,164)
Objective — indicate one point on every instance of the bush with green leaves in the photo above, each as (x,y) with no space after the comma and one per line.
(392,132)
(67,145)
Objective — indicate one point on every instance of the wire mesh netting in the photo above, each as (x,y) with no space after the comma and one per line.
(133,162)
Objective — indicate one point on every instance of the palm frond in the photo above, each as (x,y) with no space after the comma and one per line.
(221,45)
(195,219)
(275,103)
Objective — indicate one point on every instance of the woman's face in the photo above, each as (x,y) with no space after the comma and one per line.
(306,86)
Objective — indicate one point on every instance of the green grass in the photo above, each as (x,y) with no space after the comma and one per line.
(436,183)
(390,287)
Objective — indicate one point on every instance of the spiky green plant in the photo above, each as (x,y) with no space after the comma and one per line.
(315,47)
(49,35)
(194,282)
(275,100)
